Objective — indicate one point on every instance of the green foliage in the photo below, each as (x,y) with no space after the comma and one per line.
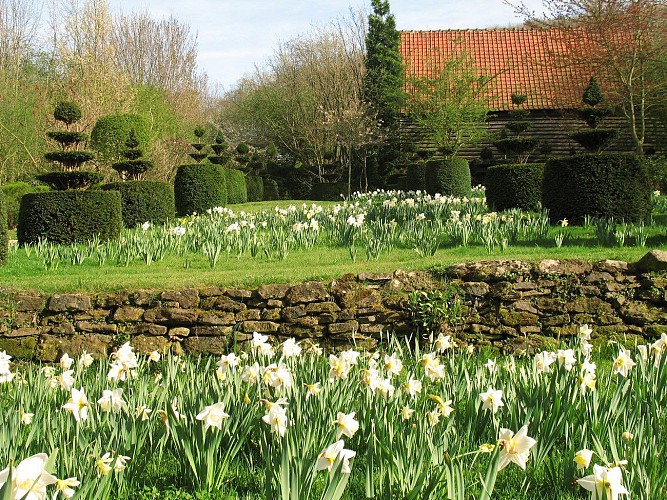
(603,185)
(237,191)
(594,140)
(516,146)
(657,171)
(3,229)
(518,99)
(69,159)
(433,310)
(415,176)
(449,103)
(69,216)
(111,132)
(144,201)
(199,131)
(271,190)
(449,177)
(593,116)
(514,186)
(199,187)
(242,148)
(255,187)
(67,138)
(330,191)
(13,193)
(133,167)
(67,112)
(61,181)
(593,93)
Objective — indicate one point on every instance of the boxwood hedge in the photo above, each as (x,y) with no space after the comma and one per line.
(199,187)
(69,216)
(237,191)
(449,177)
(517,185)
(415,176)
(255,187)
(13,192)
(144,201)
(599,185)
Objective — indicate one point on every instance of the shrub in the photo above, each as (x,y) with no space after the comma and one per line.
(517,185)
(111,132)
(237,192)
(67,112)
(13,192)
(255,187)
(69,216)
(144,201)
(3,229)
(331,191)
(449,176)
(198,188)
(657,172)
(271,190)
(415,180)
(70,180)
(598,185)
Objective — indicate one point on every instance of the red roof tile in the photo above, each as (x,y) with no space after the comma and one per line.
(532,62)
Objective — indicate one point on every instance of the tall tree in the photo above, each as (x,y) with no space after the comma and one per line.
(384,80)
(626,46)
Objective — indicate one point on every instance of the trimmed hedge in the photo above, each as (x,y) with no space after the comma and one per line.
(449,177)
(69,216)
(198,188)
(415,179)
(4,240)
(598,185)
(255,187)
(13,192)
(144,201)
(517,185)
(271,190)
(237,192)
(111,132)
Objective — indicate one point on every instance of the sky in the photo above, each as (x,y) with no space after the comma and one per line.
(235,36)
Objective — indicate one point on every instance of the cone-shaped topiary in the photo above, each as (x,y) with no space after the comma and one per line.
(517,148)
(593,139)
(133,167)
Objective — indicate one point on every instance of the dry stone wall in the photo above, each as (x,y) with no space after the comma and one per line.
(514,305)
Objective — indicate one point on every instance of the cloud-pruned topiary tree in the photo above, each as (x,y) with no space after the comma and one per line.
(594,139)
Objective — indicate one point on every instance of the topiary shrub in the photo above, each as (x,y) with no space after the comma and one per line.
(13,192)
(111,132)
(69,216)
(449,177)
(133,166)
(516,185)
(598,185)
(4,248)
(255,187)
(198,188)
(415,177)
(237,192)
(271,190)
(144,201)
(61,181)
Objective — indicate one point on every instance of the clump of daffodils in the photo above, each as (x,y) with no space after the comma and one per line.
(6,374)
(124,363)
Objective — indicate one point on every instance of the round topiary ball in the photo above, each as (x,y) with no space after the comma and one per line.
(67,112)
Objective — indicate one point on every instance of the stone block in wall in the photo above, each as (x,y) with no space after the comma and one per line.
(373,330)
(65,328)
(290,330)
(548,305)
(346,315)
(52,347)
(307,322)
(144,298)
(375,278)
(345,327)
(139,328)
(290,314)
(556,320)
(213,318)
(609,330)
(208,331)
(128,314)
(475,288)
(260,326)
(267,292)
(89,327)
(21,347)
(590,305)
(358,342)
(612,266)
(270,314)
(525,286)
(598,277)
(529,330)
(561,331)
(362,298)
(653,261)
(655,330)
(322,307)
(256,303)
(364,320)
(109,300)
(311,291)
(504,290)
(211,291)
(23,332)
(390,316)
(248,315)
(477,329)
(524,306)
(274,303)
(185,299)
(238,294)
(28,302)
(92,315)
(325,319)
(207,345)
(179,332)
(69,302)
(639,313)
(225,304)
(565,266)
(171,316)
(145,344)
